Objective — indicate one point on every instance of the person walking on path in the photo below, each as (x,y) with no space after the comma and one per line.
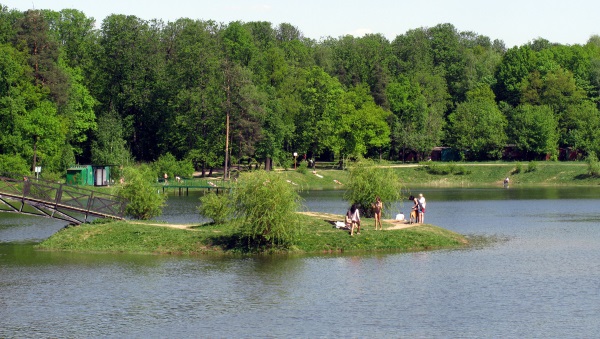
(377,208)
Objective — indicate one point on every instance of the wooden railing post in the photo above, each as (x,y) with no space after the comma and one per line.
(89,206)
(26,188)
(58,196)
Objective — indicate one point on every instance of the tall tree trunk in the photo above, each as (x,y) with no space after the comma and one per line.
(226,147)
(35,141)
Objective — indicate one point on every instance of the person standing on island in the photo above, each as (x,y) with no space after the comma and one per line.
(355,219)
(414,215)
(377,208)
(506,182)
(422,204)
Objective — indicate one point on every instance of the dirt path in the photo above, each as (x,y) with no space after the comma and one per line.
(179,226)
(391,224)
(395,224)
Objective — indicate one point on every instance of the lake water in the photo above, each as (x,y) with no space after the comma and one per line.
(540,279)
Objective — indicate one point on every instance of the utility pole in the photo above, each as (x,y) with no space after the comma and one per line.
(228,111)
(226,140)
(35,142)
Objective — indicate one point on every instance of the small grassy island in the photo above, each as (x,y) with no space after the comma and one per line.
(319,236)
(310,232)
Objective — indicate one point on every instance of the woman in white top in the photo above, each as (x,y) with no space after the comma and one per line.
(422,204)
(355,219)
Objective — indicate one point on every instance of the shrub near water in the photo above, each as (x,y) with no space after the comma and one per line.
(143,201)
(265,206)
(367,181)
(217,207)
(593,166)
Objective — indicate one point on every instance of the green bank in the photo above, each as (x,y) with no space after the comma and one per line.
(447,174)
(317,236)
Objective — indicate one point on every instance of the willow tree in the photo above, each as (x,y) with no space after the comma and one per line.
(367,181)
(265,206)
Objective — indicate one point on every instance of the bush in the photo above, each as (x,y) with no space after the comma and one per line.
(302,167)
(518,168)
(367,181)
(436,169)
(265,206)
(143,200)
(217,207)
(461,170)
(286,163)
(531,167)
(593,166)
(168,164)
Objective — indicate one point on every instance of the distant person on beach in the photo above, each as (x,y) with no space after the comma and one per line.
(348,218)
(413,217)
(421,210)
(355,218)
(377,208)
(506,180)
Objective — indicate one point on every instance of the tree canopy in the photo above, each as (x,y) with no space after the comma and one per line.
(130,89)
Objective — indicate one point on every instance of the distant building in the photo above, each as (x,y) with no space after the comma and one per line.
(89,175)
(444,154)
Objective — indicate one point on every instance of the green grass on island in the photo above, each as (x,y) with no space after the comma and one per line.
(318,236)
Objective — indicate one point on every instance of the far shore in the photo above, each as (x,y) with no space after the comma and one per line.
(449,174)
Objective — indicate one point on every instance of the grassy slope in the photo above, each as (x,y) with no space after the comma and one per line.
(319,236)
(485,174)
(474,175)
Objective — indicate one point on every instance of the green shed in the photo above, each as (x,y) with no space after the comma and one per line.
(80,175)
(90,175)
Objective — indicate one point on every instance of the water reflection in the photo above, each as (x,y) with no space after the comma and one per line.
(542,282)
(25,228)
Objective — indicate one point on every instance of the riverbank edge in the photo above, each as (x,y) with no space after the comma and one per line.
(319,237)
(457,175)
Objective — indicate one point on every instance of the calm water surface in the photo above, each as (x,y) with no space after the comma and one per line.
(541,280)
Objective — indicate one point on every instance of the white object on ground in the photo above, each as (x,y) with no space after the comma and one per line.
(340,224)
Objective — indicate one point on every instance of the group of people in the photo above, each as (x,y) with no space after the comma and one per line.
(166,177)
(353,216)
(417,212)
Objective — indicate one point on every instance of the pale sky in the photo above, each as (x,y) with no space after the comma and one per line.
(516,22)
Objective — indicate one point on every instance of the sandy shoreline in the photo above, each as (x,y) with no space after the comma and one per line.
(395,224)
(390,224)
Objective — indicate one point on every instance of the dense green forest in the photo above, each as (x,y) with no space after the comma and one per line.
(131,90)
